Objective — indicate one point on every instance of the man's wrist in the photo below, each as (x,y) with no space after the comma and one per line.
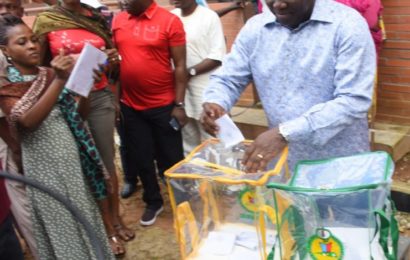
(179,104)
(282,131)
(192,71)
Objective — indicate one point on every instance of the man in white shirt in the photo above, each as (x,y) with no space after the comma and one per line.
(205,50)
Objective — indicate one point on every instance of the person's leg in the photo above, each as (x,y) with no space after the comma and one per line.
(9,244)
(140,153)
(128,188)
(191,136)
(20,208)
(168,142)
(101,121)
(127,124)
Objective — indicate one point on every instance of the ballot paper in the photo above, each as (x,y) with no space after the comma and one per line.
(229,134)
(81,78)
(219,243)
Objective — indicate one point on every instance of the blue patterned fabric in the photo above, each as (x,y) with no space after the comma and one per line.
(315,80)
(90,158)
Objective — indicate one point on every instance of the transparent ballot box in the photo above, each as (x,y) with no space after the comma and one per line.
(217,206)
(336,209)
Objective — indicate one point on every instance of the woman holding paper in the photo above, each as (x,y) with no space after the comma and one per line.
(56,148)
(69,26)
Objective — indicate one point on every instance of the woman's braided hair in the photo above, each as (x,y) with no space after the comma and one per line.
(7,21)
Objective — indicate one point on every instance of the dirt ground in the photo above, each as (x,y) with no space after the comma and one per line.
(402,173)
(402,170)
(155,242)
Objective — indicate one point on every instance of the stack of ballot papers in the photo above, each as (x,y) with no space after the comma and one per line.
(233,241)
(81,79)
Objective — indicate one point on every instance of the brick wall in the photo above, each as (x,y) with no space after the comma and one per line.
(394,65)
(232,23)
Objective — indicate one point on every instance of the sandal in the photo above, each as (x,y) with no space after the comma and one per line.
(116,246)
(124,233)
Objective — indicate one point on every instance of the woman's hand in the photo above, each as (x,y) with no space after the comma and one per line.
(113,58)
(98,73)
(33,117)
(62,65)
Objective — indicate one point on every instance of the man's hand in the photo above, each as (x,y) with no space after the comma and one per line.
(265,147)
(180,115)
(210,113)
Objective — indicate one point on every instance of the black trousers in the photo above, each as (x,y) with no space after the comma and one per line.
(123,151)
(9,244)
(148,136)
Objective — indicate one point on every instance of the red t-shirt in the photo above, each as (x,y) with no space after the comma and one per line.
(72,42)
(4,200)
(147,78)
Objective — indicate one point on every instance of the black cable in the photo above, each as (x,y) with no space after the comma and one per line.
(95,241)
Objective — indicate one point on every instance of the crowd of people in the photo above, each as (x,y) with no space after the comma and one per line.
(166,80)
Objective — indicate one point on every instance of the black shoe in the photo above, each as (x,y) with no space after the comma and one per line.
(128,189)
(150,215)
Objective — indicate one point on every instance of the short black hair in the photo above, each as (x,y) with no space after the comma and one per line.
(8,21)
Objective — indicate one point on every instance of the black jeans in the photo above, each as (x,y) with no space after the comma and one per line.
(9,244)
(149,136)
(123,152)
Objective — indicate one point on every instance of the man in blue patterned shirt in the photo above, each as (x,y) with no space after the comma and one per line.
(313,64)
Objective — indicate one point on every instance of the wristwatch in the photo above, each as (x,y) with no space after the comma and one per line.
(283,132)
(180,104)
(192,71)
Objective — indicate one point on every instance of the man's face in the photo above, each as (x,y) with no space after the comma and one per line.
(133,7)
(291,13)
(183,4)
(12,7)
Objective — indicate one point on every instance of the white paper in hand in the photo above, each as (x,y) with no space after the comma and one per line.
(229,133)
(81,78)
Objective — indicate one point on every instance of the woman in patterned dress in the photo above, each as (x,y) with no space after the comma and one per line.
(57,151)
(69,25)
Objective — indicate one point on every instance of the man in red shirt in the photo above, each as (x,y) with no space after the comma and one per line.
(151,42)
